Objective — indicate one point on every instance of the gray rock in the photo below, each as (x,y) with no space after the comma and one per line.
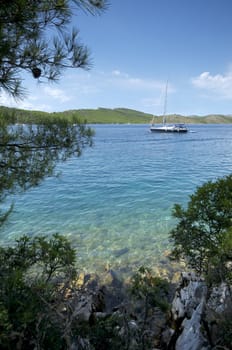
(191,337)
(83,309)
(219,298)
(166,337)
(188,308)
(117,253)
(188,297)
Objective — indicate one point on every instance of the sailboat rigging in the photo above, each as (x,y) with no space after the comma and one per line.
(165,127)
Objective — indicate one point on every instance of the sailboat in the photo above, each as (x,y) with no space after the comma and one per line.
(180,127)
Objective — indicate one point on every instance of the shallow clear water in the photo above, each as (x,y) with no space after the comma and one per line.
(115,202)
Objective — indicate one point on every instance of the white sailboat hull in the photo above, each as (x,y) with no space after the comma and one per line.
(179,128)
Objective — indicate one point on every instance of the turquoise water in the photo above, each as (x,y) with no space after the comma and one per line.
(115,202)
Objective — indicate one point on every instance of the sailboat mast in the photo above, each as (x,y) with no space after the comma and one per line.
(165,103)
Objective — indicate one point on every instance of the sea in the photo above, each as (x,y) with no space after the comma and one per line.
(114,203)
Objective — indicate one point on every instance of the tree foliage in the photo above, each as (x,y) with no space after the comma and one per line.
(153,289)
(203,234)
(35,37)
(29,152)
(36,275)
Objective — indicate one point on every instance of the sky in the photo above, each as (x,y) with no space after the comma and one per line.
(136,48)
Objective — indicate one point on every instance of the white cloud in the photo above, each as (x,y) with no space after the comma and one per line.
(93,89)
(29,103)
(124,80)
(57,94)
(8,101)
(116,72)
(99,83)
(219,85)
(152,102)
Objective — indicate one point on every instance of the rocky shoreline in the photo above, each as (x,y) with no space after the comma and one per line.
(193,321)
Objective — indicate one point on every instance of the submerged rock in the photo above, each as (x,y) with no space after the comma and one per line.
(117,253)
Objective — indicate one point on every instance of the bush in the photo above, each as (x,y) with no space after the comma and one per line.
(35,277)
(203,235)
(152,289)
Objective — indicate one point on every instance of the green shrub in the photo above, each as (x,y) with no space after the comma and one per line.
(152,289)
(203,235)
(35,276)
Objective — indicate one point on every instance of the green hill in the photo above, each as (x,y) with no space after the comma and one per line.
(114,116)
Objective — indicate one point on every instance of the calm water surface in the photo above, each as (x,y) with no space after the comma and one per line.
(115,202)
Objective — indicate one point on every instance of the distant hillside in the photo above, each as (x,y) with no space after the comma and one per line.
(117,115)
(114,116)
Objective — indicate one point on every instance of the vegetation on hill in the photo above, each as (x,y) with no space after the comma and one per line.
(111,116)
